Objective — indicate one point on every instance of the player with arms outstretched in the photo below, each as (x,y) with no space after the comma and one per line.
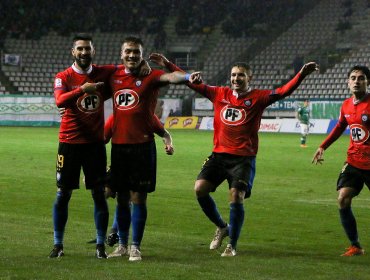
(237,117)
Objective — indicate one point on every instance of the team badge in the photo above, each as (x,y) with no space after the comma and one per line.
(248,102)
(89,103)
(359,133)
(126,99)
(364,118)
(233,116)
(138,83)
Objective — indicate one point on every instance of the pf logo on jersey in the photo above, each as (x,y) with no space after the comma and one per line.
(126,99)
(359,133)
(233,116)
(88,103)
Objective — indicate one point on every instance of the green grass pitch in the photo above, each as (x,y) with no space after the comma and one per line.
(291,230)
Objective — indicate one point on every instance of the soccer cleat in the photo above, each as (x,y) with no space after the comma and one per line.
(220,234)
(100,252)
(120,251)
(135,254)
(303,146)
(353,251)
(112,239)
(57,252)
(229,251)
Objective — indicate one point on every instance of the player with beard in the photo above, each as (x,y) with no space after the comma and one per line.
(81,90)
(133,154)
(355,113)
(237,117)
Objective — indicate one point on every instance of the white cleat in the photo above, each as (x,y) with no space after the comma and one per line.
(229,251)
(135,254)
(120,251)
(220,234)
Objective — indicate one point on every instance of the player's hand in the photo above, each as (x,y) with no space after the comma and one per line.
(169,150)
(145,69)
(318,156)
(195,78)
(91,87)
(308,68)
(159,59)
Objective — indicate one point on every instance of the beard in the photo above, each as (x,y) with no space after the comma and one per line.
(83,62)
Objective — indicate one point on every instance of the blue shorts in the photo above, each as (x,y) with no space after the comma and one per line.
(239,171)
(91,157)
(134,167)
(353,177)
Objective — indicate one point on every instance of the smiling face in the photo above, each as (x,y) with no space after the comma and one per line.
(239,78)
(132,55)
(357,83)
(83,52)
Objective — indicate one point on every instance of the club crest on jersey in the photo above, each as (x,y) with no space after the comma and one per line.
(248,102)
(138,83)
(364,118)
(88,103)
(233,116)
(359,133)
(126,99)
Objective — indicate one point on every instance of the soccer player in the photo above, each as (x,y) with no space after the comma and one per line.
(355,113)
(81,90)
(113,238)
(303,116)
(237,117)
(133,154)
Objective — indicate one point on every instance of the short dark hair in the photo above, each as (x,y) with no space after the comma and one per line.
(133,39)
(82,37)
(361,68)
(244,65)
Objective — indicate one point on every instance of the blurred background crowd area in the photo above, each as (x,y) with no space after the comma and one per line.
(274,37)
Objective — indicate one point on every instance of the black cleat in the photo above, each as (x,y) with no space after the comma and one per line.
(100,252)
(112,239)
(57,252)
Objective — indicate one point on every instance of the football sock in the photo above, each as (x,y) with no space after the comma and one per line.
(349,224)
(123,220)
(209,208)
(115,224)
(139,215)
(60,215)
(236,222)
(101,216)
(303,140)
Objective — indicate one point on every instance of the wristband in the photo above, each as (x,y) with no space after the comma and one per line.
(187,76)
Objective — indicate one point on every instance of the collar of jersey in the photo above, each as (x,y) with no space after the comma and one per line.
(357,101)
(88,71)
(244,93)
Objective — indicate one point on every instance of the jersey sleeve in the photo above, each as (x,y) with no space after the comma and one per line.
(287,89)
(158,126)
(62,96)
(108,129)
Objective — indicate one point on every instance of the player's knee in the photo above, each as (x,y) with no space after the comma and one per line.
(236,195)
(202,188)
(63,197)
(344,200)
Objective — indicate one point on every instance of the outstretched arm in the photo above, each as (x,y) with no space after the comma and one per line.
(289,87)
(178,77)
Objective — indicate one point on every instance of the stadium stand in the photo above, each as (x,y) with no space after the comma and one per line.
(274,41)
